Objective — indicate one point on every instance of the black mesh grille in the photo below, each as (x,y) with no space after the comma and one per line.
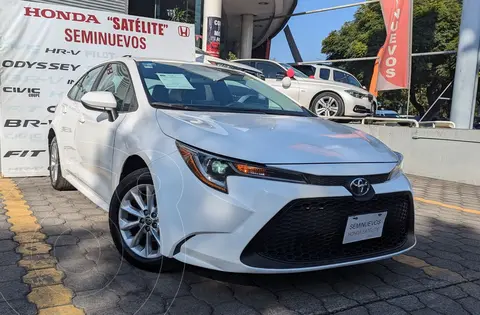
(344,180)
(309,232)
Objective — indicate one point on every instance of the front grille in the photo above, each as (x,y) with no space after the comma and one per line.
(309,232)
(344,180)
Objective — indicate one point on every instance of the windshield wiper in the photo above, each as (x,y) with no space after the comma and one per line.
(175,106)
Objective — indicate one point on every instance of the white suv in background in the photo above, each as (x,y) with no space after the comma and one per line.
(323,72)
(325,98)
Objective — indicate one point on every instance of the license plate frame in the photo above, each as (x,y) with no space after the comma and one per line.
(364,227)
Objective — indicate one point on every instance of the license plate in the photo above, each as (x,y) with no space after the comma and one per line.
(364,227)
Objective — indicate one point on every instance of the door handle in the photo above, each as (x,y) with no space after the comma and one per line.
(81,119)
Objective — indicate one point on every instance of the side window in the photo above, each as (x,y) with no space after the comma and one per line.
(340,76)
(269,70)
(247,63)
(308,70)
(324,74)
(115,79)
(84,85)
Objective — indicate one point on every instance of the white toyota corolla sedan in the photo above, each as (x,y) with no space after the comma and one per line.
(213,167)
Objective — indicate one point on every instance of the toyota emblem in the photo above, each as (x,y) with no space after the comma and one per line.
(359,187)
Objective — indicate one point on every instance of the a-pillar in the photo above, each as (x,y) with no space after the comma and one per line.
(247,36)
(466,73)
(211,9)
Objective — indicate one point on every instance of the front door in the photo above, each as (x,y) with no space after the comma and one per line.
(95,134)
(69,108)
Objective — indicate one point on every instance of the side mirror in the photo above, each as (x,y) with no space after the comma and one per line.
(286,82)
(101,101)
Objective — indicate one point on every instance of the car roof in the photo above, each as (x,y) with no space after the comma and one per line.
(146,59)
(318,65)
(152,60)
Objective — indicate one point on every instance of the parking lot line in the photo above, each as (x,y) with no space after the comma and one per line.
(444,205)
(47,290)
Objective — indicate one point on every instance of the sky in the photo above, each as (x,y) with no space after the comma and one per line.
(309,30)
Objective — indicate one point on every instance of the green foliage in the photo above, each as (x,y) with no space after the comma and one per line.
(435,28)
(231,56)
(180,15)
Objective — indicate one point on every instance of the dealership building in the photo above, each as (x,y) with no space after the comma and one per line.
(241,27)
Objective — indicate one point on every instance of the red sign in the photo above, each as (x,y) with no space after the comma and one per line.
(394,63)
(184,31)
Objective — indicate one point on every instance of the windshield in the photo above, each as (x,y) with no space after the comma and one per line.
(298,73)
(205,88)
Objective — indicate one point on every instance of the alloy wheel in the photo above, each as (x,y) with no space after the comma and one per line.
(138,221)
(54,162)
(326,107)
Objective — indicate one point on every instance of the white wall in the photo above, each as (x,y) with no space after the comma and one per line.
(449,154)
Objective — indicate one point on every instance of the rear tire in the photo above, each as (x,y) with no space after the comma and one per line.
(56,178)
(328,104)
(132,226)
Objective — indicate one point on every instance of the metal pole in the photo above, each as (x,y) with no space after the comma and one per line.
(293,46)
(320,10)
(408,100)
(466,73)
(410,44)
(432,53)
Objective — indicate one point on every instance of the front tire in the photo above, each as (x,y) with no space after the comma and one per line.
(328,104)
(134,223)
(56,177)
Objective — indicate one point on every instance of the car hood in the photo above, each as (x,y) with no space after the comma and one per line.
(273,139)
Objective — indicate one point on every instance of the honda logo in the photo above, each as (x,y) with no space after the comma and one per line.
(184,31)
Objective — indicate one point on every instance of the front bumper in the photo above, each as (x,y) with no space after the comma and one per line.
(356,106)
(210,229)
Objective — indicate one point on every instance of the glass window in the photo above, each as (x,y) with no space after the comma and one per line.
(298,73)
(325,74)
(246,62)
(270,70)
(116,79)
(344,77)
(84,85)
(307,70)
(203,88)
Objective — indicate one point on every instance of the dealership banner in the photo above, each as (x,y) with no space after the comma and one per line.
(394,65)
(45,48)
(214,33)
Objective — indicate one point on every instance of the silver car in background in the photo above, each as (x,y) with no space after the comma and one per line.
(204,57)
(325,98)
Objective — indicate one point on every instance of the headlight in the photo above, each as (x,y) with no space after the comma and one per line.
(356,94)
(398,168)
(213,170)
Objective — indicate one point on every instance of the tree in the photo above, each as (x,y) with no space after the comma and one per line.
(436,25)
